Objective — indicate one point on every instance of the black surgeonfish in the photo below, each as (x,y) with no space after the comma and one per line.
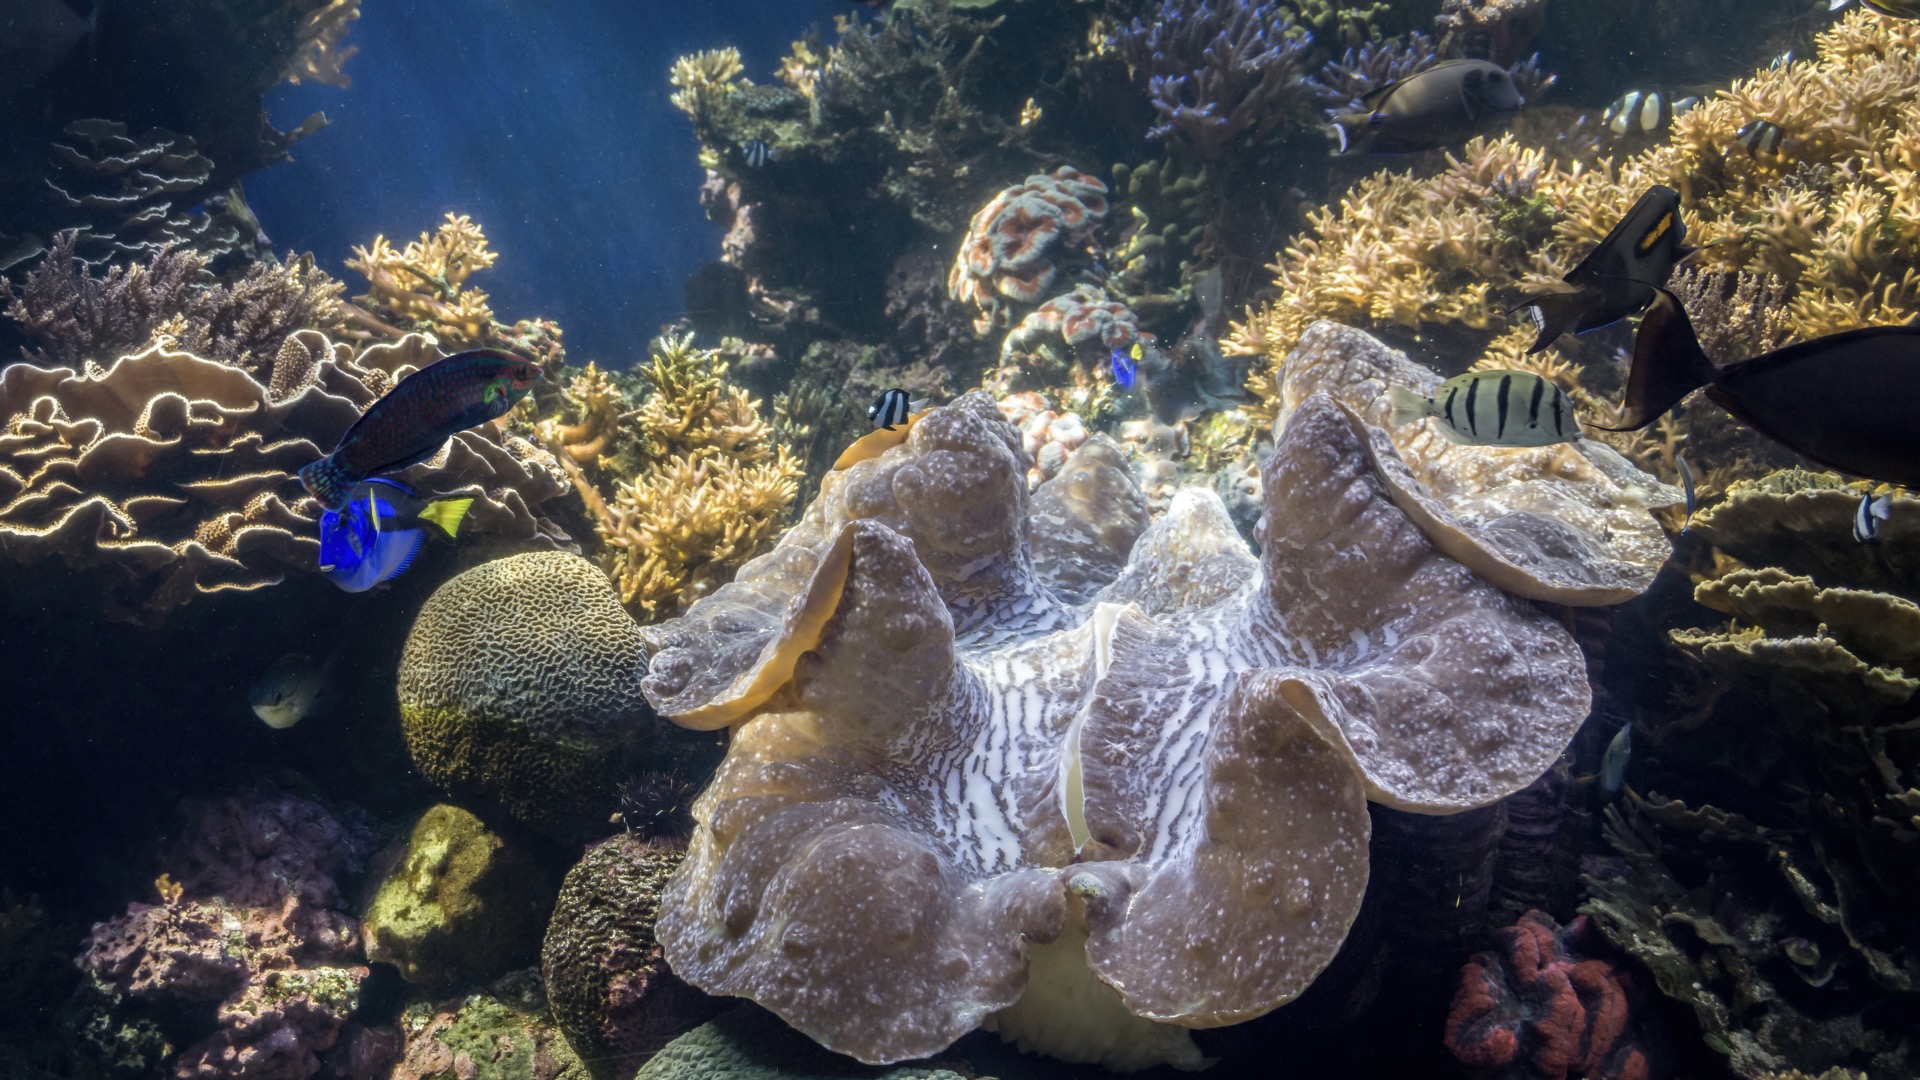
(1848,401)
(1435,107)
(1618,277)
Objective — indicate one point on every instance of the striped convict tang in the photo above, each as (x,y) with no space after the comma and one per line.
(892,407)
(1492,408)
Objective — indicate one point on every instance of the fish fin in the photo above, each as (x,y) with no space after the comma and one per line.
(1377,96)
(1668,364)
(328,481)
(1338,126)
(447,515)
(414,544)
(1409,406)
(1556,308)
(918,405)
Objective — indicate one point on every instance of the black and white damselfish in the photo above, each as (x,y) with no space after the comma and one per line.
(892,407)
(1492,408)
(1644,112)
(1618,277)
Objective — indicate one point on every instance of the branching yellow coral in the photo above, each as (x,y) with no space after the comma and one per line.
(424,286)
(703,77)
(591,438)
(1836,216)
(714,493)
(322,53)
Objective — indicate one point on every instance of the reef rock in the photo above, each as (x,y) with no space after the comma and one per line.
(954,799)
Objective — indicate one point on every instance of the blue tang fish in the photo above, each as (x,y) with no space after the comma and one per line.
(375,537)
(1126,366)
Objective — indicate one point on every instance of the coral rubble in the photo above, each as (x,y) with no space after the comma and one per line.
(1121,785)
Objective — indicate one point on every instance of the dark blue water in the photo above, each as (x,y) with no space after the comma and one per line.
(548,123)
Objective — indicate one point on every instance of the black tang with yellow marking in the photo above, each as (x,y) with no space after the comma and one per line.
(1618,277)
(1492,408)
(1848,401)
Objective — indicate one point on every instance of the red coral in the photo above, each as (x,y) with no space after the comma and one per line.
(1545,1007)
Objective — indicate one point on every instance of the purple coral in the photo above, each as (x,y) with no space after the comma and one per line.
(1219,71)
(1340,84)
(256,924)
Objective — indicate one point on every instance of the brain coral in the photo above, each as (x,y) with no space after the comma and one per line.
(607,986)
(174,475)
(519,685)
(953,799)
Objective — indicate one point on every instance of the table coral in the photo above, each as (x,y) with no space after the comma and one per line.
(518,687)
(1010,243)
(174,475)
(257,927)
(608,988)
(1833,219)
(1548,1003)
(1088,827)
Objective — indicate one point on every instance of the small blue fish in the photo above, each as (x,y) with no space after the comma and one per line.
(375,537)
(1126,366)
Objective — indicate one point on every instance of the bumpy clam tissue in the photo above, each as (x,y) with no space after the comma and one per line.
(955,799)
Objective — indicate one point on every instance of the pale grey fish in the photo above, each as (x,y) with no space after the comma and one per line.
(1686,482)
(1613,766)
(291,689)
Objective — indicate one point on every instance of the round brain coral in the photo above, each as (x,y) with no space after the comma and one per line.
(520,686)
(607,985)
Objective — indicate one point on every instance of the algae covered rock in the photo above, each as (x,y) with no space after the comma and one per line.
(520,688)
(607,985)
(498,1037)
(460,902)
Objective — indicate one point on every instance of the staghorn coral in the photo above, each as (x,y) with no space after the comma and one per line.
(423,287)
(1221,71)
(714,489)
(75,316)
(700,79)
(1830,220)
(1549,1003)
(168,476)
(518,687)
(1009,247)
(934,758)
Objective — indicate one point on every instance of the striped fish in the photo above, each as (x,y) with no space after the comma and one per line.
(1492,408)
(1868,516)
(893,407)
(1897,9)
(1644,112)
(1761,139)
(756,152)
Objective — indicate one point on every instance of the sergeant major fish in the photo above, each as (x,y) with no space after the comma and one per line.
(1441,105)
(1618,277)
(382,528)
(1492,408)
(414,419)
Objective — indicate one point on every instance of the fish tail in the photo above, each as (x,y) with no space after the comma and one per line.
(447,515)
(1668,364)
(1554,313)
(1409,406)
(328,481)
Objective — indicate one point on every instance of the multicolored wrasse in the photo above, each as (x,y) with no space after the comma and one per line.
(1492,408)
(1618,277)
(1849,401)
(382,528)
(417,417)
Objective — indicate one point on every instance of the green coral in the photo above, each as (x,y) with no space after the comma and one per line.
(460,903)
(488,1036)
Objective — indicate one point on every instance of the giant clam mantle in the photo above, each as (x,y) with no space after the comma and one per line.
(954,799)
